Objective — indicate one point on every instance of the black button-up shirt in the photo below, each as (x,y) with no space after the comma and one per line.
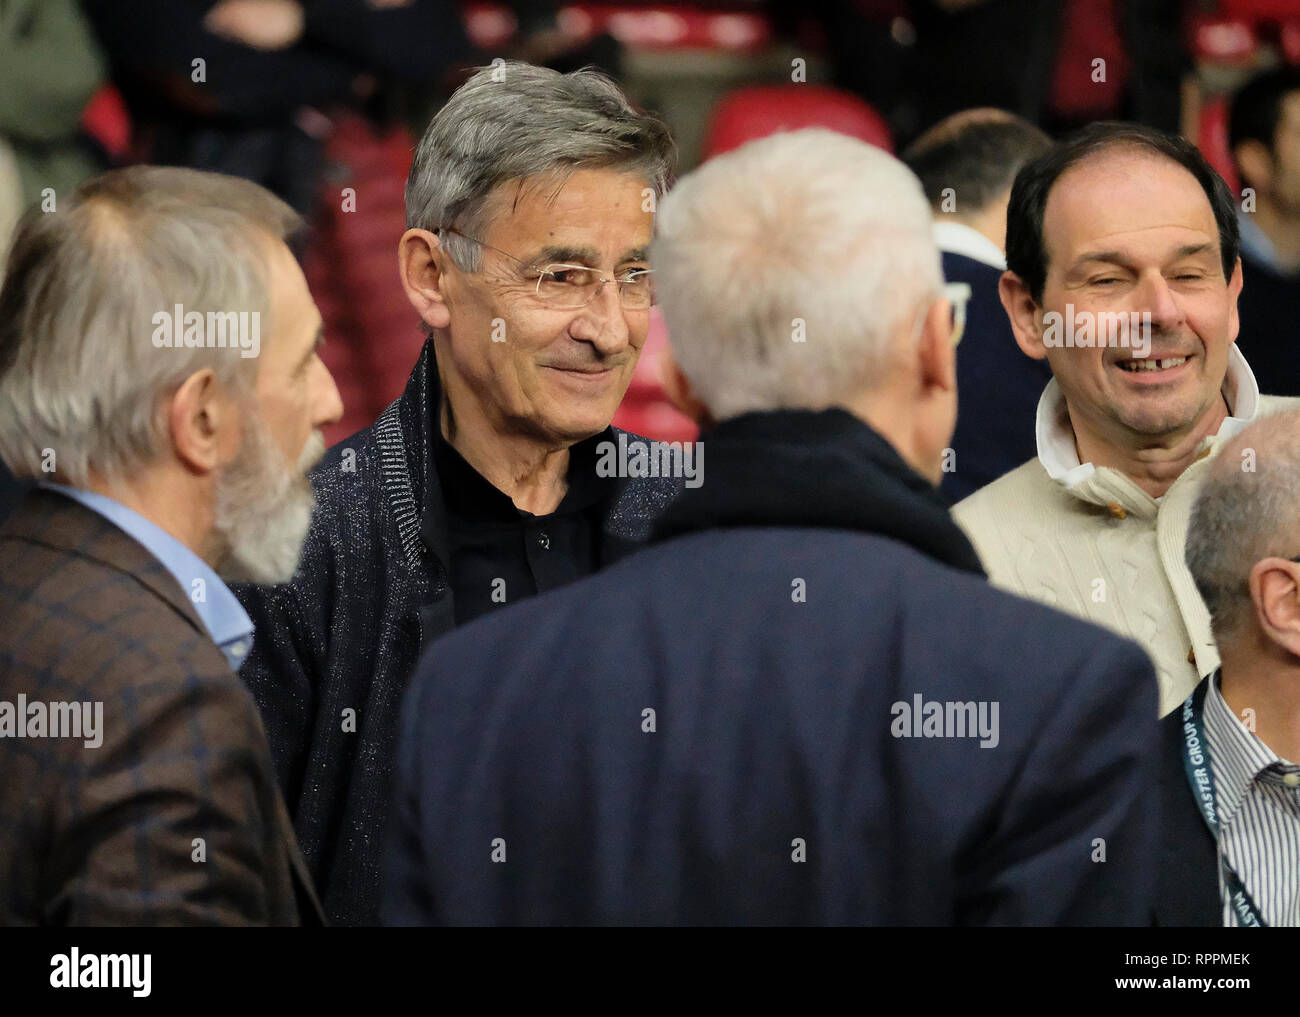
(501,554)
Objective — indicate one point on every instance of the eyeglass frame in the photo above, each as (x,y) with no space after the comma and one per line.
(537,292)
(958,296)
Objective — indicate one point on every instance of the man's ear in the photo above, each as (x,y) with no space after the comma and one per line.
(421,262)
(1235,285)
(203,422)
(680,393)
(1254,164)
(1275,591)
(1022,311)
(938,356)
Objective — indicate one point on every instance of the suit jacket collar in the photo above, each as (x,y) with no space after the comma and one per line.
(958,238)
(47,517)
(827,468)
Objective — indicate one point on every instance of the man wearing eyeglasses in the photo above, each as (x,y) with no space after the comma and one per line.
(530,208)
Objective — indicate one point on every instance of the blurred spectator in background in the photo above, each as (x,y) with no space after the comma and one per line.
(866,43)
(50,66)
(966,165)
(539,39)
(303,97)
(239,86)
(1039,59)
(1264,132)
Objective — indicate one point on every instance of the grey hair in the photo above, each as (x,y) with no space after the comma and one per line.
(514,121)
(79,372)
(787,268)
(1242,516)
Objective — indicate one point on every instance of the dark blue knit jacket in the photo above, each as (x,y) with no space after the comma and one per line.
(334,648)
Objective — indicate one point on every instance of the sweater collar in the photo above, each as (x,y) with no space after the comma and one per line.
(1060,457)
(806,468)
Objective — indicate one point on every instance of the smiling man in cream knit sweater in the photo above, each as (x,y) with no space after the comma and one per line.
(1120,223)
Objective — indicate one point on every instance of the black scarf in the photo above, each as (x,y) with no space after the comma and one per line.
(817,469)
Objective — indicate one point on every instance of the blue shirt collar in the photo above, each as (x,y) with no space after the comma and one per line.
(222,615)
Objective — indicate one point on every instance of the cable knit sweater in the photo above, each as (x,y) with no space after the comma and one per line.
(1089,541)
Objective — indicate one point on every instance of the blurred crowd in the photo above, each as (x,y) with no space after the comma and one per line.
(320,101)
(508,525)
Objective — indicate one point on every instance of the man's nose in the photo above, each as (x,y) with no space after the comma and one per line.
(1154,295)
(603,321)
(327,404)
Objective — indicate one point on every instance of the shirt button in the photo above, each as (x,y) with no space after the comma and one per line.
(1291,779)
(543,541)
(239,649)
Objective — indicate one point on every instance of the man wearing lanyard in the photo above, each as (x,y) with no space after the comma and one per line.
(1230,788)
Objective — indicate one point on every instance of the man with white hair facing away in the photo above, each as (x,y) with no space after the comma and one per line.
(802,704)
(159,376)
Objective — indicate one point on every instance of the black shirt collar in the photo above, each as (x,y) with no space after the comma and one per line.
(467,494)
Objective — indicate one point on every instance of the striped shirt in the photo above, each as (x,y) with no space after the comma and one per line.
(1257,797)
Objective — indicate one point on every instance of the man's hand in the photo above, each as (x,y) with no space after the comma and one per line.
(261,24)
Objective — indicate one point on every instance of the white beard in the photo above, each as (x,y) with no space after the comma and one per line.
(263,511)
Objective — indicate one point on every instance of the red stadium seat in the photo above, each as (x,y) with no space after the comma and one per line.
(1290,41)
(106,119)
(373,337)
(759,110)
(1212,139)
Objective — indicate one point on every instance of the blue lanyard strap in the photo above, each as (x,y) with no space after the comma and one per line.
(1200,775)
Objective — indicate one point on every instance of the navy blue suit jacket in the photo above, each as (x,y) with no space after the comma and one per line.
(1188,891)
(663,742)
(997,386)
(1269,307)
